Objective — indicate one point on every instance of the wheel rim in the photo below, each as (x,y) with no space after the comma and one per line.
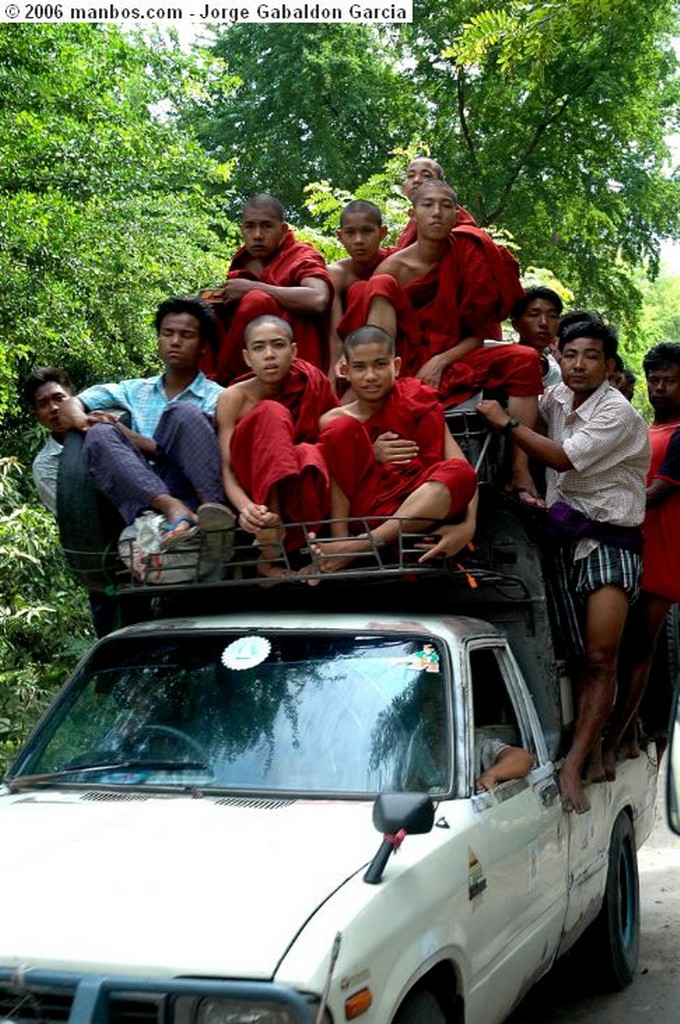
(626,896)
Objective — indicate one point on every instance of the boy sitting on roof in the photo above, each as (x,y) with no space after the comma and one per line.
(391,457)
(266,421)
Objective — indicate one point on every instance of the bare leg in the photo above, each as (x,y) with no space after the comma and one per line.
(525,409)
(605,617)
(382,314)
(270,541)
(428,503)
(643,626)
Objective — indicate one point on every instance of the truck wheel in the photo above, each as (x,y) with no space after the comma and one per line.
(615,933)
(420,1008)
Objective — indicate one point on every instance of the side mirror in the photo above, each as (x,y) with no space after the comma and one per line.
(673,787)
(395,815)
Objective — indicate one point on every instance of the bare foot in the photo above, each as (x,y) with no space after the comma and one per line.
(571,790)
(334,555)
(630,746)
(594,770)
(272,562)
(609,755)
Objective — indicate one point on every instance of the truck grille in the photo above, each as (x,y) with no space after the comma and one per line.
(45,1006)
(34,1006)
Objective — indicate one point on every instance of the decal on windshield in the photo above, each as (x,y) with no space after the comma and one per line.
(246,652)
(426,660)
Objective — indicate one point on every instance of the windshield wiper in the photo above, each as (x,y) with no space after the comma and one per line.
(46,778)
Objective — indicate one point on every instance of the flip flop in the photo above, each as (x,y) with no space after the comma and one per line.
(213,517)
(173,536)
(217,523)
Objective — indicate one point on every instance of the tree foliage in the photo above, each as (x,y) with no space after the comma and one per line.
(551,117)
(44,623)
(314,102)
(104,199)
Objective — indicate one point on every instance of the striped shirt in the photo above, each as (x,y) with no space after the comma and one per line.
(146,400)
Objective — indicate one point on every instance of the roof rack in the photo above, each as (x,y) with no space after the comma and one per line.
(231,558)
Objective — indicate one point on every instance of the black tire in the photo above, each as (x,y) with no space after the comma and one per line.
(420,1008)
(89,525)
(614,936)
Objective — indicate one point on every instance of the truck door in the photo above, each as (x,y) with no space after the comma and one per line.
(517,859)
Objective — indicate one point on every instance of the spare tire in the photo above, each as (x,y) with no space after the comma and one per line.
(89,525)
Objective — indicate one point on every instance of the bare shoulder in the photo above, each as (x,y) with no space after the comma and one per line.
(340,410)
(400,265)
(235,401)
(341,274)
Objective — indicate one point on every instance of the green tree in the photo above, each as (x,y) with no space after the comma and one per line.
(550,117)
(105,208)
(314,102)
(44,622)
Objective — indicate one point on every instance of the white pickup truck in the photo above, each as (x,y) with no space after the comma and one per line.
(189,835)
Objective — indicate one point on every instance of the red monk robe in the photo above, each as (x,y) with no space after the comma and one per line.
(270,447)
(413,412)
(661,528)
(288,266)
(466,293)
(410,232)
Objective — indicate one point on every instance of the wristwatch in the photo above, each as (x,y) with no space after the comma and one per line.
(511,424)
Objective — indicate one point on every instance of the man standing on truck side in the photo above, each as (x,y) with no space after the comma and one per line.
(660,584)
(168,459)
(439,299)
(267,423)
(390,456)
(597,452)
(271,273)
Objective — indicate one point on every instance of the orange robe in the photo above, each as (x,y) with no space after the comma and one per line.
(410,232)
(374,489)
(271,447)
(287,267)
(466,293)
(661,528)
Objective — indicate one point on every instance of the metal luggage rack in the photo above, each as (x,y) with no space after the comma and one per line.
(244,563)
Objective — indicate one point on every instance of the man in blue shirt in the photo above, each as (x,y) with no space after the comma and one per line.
(168,458)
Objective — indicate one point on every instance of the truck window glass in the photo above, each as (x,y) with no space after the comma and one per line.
(266,712)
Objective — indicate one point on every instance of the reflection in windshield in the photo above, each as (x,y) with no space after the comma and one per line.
(321,714)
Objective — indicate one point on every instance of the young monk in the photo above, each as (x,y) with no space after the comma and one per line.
(271,273)
(439,299)
(266,421)
(391,456)
(420,170)
(361,231)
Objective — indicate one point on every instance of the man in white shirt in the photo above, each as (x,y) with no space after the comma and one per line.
(45,388)
(597,454)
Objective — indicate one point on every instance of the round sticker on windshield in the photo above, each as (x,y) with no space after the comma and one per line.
(246,652)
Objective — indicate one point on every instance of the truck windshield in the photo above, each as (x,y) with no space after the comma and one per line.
(253,711)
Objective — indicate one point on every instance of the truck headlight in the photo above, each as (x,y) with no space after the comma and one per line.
(189,1010)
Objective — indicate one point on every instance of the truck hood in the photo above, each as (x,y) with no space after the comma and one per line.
(136,884)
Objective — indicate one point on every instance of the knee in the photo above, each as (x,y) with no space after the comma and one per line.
(181,413)
(342,429)
(98,437)
(600,660)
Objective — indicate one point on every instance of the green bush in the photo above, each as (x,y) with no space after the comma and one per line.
(44,620)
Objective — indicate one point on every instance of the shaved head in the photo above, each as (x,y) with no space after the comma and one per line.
(265,201)
(433,185)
